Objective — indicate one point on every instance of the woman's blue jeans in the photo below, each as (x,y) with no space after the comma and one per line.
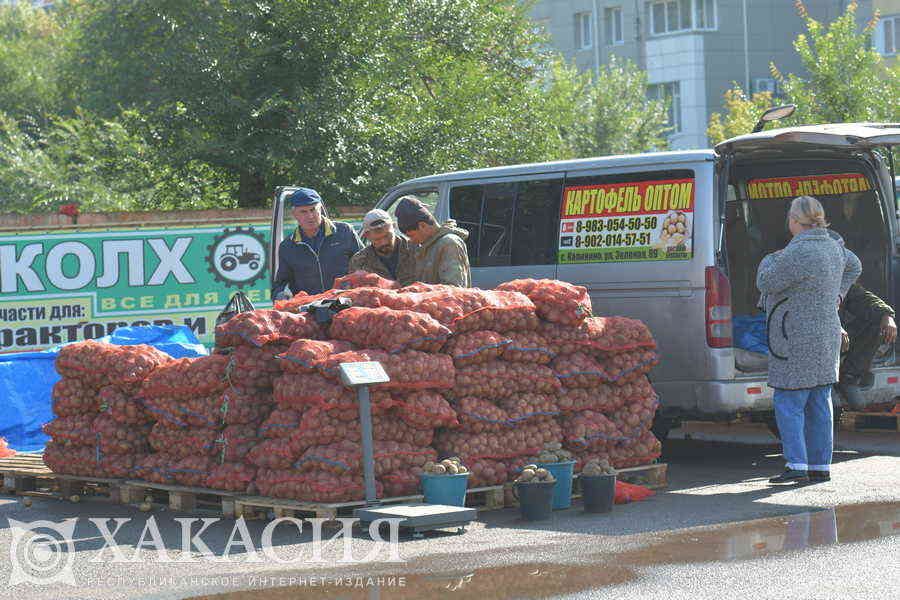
(805,421)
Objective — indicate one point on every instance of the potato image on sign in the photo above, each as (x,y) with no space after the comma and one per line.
(675,230)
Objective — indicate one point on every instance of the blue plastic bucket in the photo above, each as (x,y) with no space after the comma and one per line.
(449,490)
(562,492)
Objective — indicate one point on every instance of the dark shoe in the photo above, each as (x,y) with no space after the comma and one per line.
(790,476)
(819,476)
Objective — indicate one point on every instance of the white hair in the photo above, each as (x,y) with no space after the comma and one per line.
(807,211)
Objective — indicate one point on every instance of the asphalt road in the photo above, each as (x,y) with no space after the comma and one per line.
(717,531)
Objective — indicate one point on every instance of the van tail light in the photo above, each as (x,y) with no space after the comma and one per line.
(718,309)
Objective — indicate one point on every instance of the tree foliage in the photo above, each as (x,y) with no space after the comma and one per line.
(847,80)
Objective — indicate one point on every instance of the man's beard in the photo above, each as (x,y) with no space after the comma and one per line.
(386,249)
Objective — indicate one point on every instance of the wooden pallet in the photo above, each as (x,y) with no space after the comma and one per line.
(26,473)
(484,498)
(178,497)
(870,422)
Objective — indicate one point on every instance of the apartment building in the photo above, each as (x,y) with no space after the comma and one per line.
(693,50)
(887,34)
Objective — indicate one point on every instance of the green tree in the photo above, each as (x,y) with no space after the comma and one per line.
(847,80)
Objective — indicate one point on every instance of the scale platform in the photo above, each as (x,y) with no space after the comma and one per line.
(421,517)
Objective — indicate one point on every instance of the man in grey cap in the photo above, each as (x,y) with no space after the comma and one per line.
(441,256)
(317,253)
(388,254)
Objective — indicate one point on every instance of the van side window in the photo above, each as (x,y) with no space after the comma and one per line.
(509,224)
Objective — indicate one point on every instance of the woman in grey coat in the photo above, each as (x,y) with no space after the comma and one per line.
(802,287)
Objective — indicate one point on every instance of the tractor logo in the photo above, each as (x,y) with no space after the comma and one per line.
(237,257)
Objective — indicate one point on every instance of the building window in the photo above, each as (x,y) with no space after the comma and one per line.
(682,15)
(671,94)
(614,26)
(584,30)
(889,40)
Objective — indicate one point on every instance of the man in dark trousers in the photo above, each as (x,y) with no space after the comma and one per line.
(869,322)
(317,253)
(389,254)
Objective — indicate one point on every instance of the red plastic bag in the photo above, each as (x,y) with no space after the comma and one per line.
(555,301)
(260,327)
(389,329)
(628,492)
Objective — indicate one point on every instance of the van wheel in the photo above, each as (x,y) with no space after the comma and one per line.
(662,425)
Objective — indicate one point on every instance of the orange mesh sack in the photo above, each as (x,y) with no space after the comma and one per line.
(409,370)
(71,431)
(320,427)
(240,407)
(70,460)
(114,438)
(555,301)
(580,370)
(155,469)
(255,368)
(231,477)
(281,423)
(235,441)
(260,327)
(401,484)
(598,334)
(188,377)
(302,355)
(424,410)
(181,443)
(203,411)
(99,364)
(485,472)
(642,450)
(73,397)
(300,391)
(317,486)
(470,309)
(635,416)
(529,408)
(528,347)
(499,379)
(122,405)
(476,347)
(192,471)
(5,450)
(477,415)
(358,279)
(272,454)
(389,329)
(589,430)
(605,398)
(346,457)
(116,466)
(526,440)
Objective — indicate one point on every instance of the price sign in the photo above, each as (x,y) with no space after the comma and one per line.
(362,373)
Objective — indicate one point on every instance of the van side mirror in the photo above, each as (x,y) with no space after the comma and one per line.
(774,114)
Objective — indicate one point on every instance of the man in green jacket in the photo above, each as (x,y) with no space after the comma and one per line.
(869,322)
(388,254)
(441,256)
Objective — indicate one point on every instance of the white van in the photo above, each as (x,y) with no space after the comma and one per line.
(674,239)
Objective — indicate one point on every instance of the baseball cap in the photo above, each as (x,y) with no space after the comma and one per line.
(304,197)
(375,219)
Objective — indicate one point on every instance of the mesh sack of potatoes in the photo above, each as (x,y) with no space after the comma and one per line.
(639,451)
(188,377)
(70,460)
(183,442)
(470,309)
(316,486)
(73,397)
(301,356)
(302,390)
(598,335)
(241,406)
(281,423)
(605,398)
(346,457)
(475,347)
(202,411)
(528,407)
(347,408)
(123,405)
(424,410)
(320,427)
(154,468)
(115,466)
(235,441)
(525,440)
(479,415)
(71,431)
(389,329)
(555,301)
(263,326)
(272,454)
(255,368)
(528,347)
(359,279)
(581,370)
(231,477)
(589,430)
(401,484)
(498,379)
(485,472)
(409,370)
(100,364)
(114,438)
(192,471)
(635,415)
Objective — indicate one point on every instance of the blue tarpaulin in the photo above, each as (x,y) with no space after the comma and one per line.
(750,332)
(27,378)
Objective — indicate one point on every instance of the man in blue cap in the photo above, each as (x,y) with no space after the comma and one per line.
(318,252)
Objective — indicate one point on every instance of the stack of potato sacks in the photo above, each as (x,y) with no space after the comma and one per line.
(101,425)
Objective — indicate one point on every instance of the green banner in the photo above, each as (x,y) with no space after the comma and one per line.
(64,287)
